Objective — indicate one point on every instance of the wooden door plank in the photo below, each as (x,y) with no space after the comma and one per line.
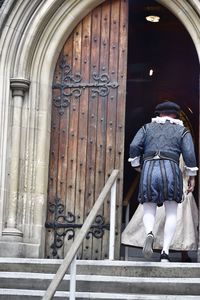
(121,107)
(83,123)
(53,167)
(92,133)
(64,133)
(63,147)
(111,107)
(73,136)
(102,112)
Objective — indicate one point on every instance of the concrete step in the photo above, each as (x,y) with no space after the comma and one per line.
(139,269)
(104,267)
(29,265)
(29,278)
(99,283)
(12,294)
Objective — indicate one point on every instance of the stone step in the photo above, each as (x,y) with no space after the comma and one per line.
(139,269)
(17,294)
(99,283)
(104,267)
(22,278)
(29,265)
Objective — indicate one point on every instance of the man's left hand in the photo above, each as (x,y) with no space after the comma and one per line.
(191,184)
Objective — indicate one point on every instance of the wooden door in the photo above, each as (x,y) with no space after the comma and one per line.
(87,131)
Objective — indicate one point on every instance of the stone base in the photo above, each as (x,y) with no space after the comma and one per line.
(12,235)
(17,249)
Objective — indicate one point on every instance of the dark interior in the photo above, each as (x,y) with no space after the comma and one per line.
(167,48)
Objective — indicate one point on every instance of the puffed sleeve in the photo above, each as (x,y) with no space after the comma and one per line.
(188,153)
(137,144)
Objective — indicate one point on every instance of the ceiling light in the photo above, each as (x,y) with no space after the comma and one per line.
(153,19)
(151,72)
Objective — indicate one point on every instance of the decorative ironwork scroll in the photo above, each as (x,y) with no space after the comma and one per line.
(64,225)
(71,85)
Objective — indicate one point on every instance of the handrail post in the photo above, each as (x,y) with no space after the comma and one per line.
(72,291)
(112,221)
(126,223)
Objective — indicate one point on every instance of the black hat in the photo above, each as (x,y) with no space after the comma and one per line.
(167,107)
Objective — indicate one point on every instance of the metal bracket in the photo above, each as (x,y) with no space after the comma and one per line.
(71,85)
(63,226)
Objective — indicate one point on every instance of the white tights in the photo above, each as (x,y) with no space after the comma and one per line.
(170,220)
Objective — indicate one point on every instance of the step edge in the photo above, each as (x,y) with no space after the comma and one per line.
(120,263)
(99,278)
(20,292)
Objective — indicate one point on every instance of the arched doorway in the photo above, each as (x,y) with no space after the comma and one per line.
(83,155)
(162,65)
(30,52)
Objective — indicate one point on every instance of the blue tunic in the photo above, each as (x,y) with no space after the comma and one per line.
(161,178)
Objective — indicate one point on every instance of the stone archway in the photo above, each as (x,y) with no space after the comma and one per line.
(29,53)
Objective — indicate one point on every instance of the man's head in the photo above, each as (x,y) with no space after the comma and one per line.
(167,108)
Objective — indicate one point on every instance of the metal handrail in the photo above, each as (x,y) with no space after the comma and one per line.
(109,186)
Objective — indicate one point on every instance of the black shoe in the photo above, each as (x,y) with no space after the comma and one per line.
(148,245)
(164,257)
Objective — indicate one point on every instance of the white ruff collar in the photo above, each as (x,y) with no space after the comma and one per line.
(162,120)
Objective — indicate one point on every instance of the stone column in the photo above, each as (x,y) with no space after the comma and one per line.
(18,87)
